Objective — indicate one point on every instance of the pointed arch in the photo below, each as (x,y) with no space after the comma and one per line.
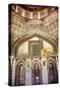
(28,36)
(52,71)
(36,72)
(20,73)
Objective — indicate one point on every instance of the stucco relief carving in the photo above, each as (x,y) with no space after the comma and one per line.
(19,26)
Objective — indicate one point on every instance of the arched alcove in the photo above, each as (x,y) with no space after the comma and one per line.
(33,48)
(26,37)
(20,74)
(52,71)
(36,72)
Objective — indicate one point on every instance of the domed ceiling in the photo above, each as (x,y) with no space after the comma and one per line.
(30,19)
(33,11)
(33,8)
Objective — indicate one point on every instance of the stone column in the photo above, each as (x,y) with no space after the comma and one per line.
(9,71)
(44,71)
(57,62)
(13,72)
(28,72)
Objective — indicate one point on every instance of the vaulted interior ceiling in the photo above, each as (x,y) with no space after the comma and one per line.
(30,11)
(33,8)
(28,19)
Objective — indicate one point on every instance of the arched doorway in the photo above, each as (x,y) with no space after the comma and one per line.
(20,74)
(52,72)
(36,73)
